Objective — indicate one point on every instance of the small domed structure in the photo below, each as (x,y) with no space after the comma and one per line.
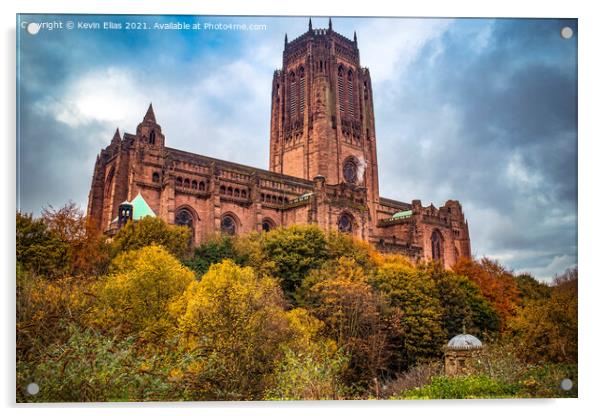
(461,353)
(464,342)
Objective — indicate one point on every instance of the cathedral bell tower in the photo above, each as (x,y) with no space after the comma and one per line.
(322,120)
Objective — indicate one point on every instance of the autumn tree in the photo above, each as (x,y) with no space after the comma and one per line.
(234,325)
(495,283)
(87,247)
(464,307)
(292,252)
(134,298)
(546,329)
(215,249)
(415,313)
(152,231)
(40,249)
(339,295)
(531,289)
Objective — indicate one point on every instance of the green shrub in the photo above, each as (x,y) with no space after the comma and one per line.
(91,367)
(467,387)
(212,251)
(152,231)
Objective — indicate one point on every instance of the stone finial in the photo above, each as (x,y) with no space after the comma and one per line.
(310,24)
(150,115)
(329,23)
(285,39)
(116,136)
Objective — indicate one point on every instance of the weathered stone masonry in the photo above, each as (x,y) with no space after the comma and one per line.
(322,168)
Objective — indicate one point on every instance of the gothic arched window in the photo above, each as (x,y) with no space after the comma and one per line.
(179,181)
(346,223)
(228,225)
(341,89)
(437,245)
(350,99)
(184,217)
(267,225)
(156,177)
(301,90)
(292,95)
(152,137)
(350,170)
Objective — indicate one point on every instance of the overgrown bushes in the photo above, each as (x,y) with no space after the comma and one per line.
(294,313)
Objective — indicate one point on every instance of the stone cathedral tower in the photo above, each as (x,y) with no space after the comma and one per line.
(322,121)
(322,168)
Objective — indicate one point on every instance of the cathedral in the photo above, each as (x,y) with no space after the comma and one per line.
(323,167)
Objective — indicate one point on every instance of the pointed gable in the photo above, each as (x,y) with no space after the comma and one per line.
(141,208)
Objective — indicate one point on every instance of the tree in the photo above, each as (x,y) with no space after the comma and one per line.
(39,249)
(234,324)
(214,250)
(292,252)
(531,289)
(88,250)
(152,231)
(464,307)
(134,298)
(546,329)
(344,245)
(496,284)
(415,315)
(339,295)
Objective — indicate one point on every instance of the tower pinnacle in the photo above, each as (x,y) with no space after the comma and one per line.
(150,114)
(329,23)
(310,24)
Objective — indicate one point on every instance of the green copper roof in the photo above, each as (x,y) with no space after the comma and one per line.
(397,215)
(141,208)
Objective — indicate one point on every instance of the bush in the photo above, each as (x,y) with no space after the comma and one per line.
(90,367)
(212,251)
(314,374)
(44,307)
(467,387)
(417,376)
(152,231)
(235,323)
(135,297)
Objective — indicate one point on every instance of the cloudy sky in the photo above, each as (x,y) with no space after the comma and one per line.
(479,110)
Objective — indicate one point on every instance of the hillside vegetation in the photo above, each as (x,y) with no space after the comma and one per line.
(295,313)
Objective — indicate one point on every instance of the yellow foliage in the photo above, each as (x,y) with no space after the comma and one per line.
(135,297)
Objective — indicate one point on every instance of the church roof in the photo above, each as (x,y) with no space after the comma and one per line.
(402,214)
(141,208)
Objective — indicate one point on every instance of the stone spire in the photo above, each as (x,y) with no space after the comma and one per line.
(116,136)
(285,39)
(354,37)
(329,23)
(310,24)
(150,115)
